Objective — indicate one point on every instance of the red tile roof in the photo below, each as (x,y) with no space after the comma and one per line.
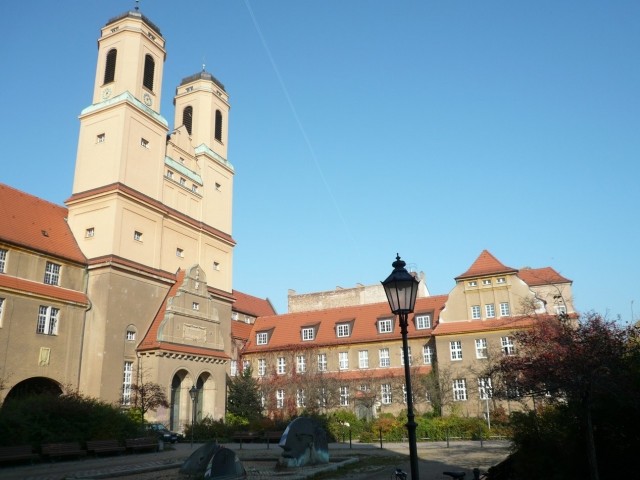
(250,305)
(541,276)
(241,330)
(36,224)
(470,326)
(286,329)
(486,264)
(27,287)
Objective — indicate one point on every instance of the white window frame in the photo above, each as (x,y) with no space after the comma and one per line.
(262,338)
(52,273)
(308,334)
(131,335)
(475,312)
(2,302)
(560,309)
(233,369)
(262,367)
(343,360)
(402,356)
(282,366)
(472,283)
(459,386)
(90,232)
(384,358)
(300,398)
(485,390)
(427,354)
(301,364)
(48,320)
(322,362)
(385,325)
(505,311)
(342,330)
(423,322)
(3,259)
(486,281)
(344,396)
(195,305)
(137,236)
(363,359)
(280,398)
(455,350)
(127,382)
(501,280)
(385,394)
(490,310)
(481,348)
(508,347)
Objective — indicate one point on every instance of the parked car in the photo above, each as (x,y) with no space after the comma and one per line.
(164,433)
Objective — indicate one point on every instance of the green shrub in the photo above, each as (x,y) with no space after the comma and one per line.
(208,429)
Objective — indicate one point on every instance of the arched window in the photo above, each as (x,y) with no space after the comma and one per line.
(110,68)
(187,118)
(218,132)
(149,67)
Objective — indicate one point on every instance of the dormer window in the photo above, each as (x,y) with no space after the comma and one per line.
(343,330)
(262,338)
(308,333)
(423,322)
(385,325)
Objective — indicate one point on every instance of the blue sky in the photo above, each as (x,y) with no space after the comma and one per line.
(363,128)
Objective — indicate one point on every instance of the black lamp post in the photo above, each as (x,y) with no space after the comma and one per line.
(193,393)
(402,288)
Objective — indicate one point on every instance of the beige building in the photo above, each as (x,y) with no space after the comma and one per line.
(133,280)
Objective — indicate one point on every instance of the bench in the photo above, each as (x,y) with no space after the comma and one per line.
(104,446)
(244,436)
(142,443)
(17,452)
(271,437)
(66,449)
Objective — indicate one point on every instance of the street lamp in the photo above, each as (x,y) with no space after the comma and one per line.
(193,393)
(401,288)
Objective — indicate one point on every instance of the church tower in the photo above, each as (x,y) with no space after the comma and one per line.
(151,209)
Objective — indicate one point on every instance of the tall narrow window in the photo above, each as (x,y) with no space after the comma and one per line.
(459,390)
(322,362)
(344,396)
(363,358)
(187,118)
(427,354)
(343,360)
(282,365)
(455,348)
(47,320)
(383,355)
(52,274)
(110,67)
(126,383)
(262,367)
(280,398)
(149,67)
(301,364)
(385,393)
(1,306)
(481,348)
(3,259)
(218,131)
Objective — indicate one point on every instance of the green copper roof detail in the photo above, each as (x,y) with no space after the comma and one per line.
(126,96)
(200,149)
(180,168)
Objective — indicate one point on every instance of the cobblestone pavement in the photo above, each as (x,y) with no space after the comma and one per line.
(370,462)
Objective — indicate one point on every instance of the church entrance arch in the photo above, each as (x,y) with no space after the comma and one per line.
(179,404)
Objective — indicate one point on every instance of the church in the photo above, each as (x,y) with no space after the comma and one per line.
(132,282)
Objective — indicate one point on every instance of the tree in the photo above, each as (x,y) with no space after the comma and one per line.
(587,367)
(148,396)
(244,396)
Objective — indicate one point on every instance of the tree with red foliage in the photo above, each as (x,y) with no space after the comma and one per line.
(584,365)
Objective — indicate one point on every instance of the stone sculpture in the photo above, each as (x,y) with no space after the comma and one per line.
(213,461)
(304,443)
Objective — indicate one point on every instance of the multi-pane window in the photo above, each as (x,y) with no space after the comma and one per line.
(490,310)
(473,283)
(3,259)
(300,398)
(322,362)
(131,335)
(383,354)
(52,274)
(459,389)
(481,348)
(484,388)
(385,393)
(455,348)
(344,396)
(127,380)
(262,367)
(475,312)
(427,354)
(322,399)
(404,394)
(501,280)
(402,356)
(245,365)
(308,334)
(508,347)
(363,359)
(504,309)
(234,368)
(195,306)
(385,326)
(282,365)
(301,364)
(343,360)
(486,281)
(48,320)
(423,321)
(137,236)
(90,232)
(342,330)
(280,398)
(110,67)
(261,338)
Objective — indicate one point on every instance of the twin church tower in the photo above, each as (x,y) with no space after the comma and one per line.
(151,209)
